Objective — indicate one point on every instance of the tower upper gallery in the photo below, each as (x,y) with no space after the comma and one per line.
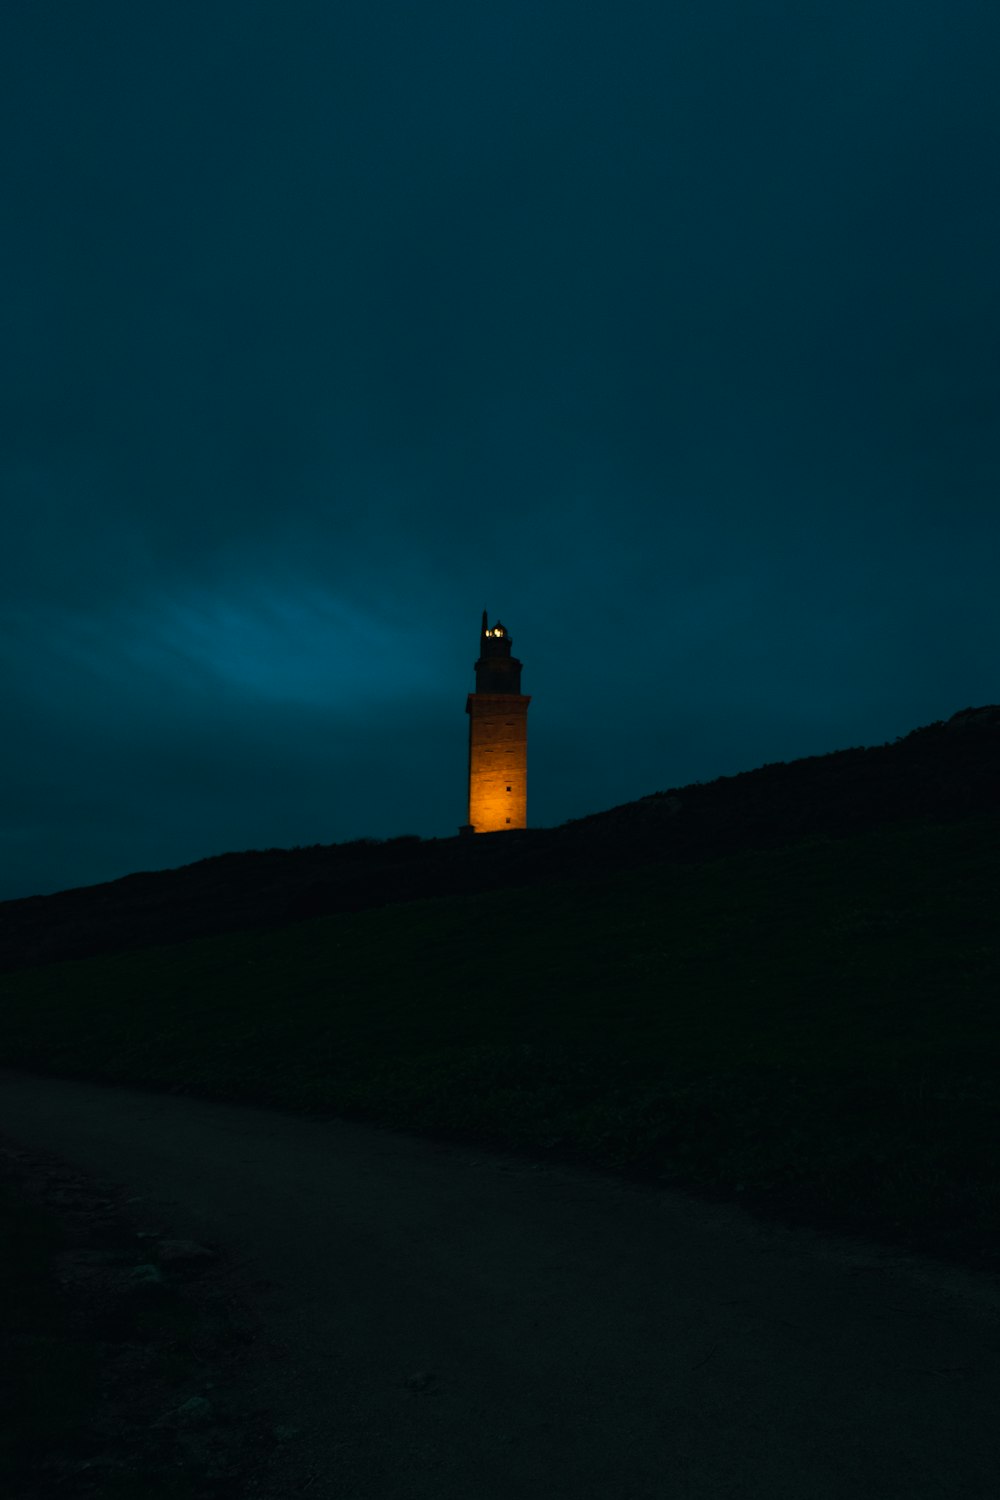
(497,671)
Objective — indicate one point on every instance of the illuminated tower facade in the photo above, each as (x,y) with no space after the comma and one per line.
(498,738)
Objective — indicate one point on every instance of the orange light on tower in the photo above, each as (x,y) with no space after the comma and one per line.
(498,738)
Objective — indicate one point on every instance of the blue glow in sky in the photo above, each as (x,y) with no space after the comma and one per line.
(670,333)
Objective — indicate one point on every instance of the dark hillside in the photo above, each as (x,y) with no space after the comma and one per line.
(941,773)
(810,1029)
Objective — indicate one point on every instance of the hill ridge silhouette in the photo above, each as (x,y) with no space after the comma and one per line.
(941,772)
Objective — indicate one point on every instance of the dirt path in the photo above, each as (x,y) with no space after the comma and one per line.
(447,1324)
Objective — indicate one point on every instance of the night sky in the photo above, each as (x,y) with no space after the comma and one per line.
(668,332)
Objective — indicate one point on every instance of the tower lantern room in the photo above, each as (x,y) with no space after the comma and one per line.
(497,671)
(498,737)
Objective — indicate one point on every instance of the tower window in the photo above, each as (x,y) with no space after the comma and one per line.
(508,820)
(508,789)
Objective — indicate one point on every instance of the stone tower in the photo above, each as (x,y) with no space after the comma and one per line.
(498,738)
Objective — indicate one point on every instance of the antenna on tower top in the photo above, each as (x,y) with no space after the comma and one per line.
(485,622)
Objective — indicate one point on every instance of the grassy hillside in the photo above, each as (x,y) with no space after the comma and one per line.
(812,1029)
(941,773)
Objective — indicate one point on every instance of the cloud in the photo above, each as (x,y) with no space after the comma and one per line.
(670,334)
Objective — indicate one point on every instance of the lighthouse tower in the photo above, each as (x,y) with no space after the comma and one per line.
(498,738)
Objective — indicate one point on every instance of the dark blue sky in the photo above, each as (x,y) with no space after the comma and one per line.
(668,331)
